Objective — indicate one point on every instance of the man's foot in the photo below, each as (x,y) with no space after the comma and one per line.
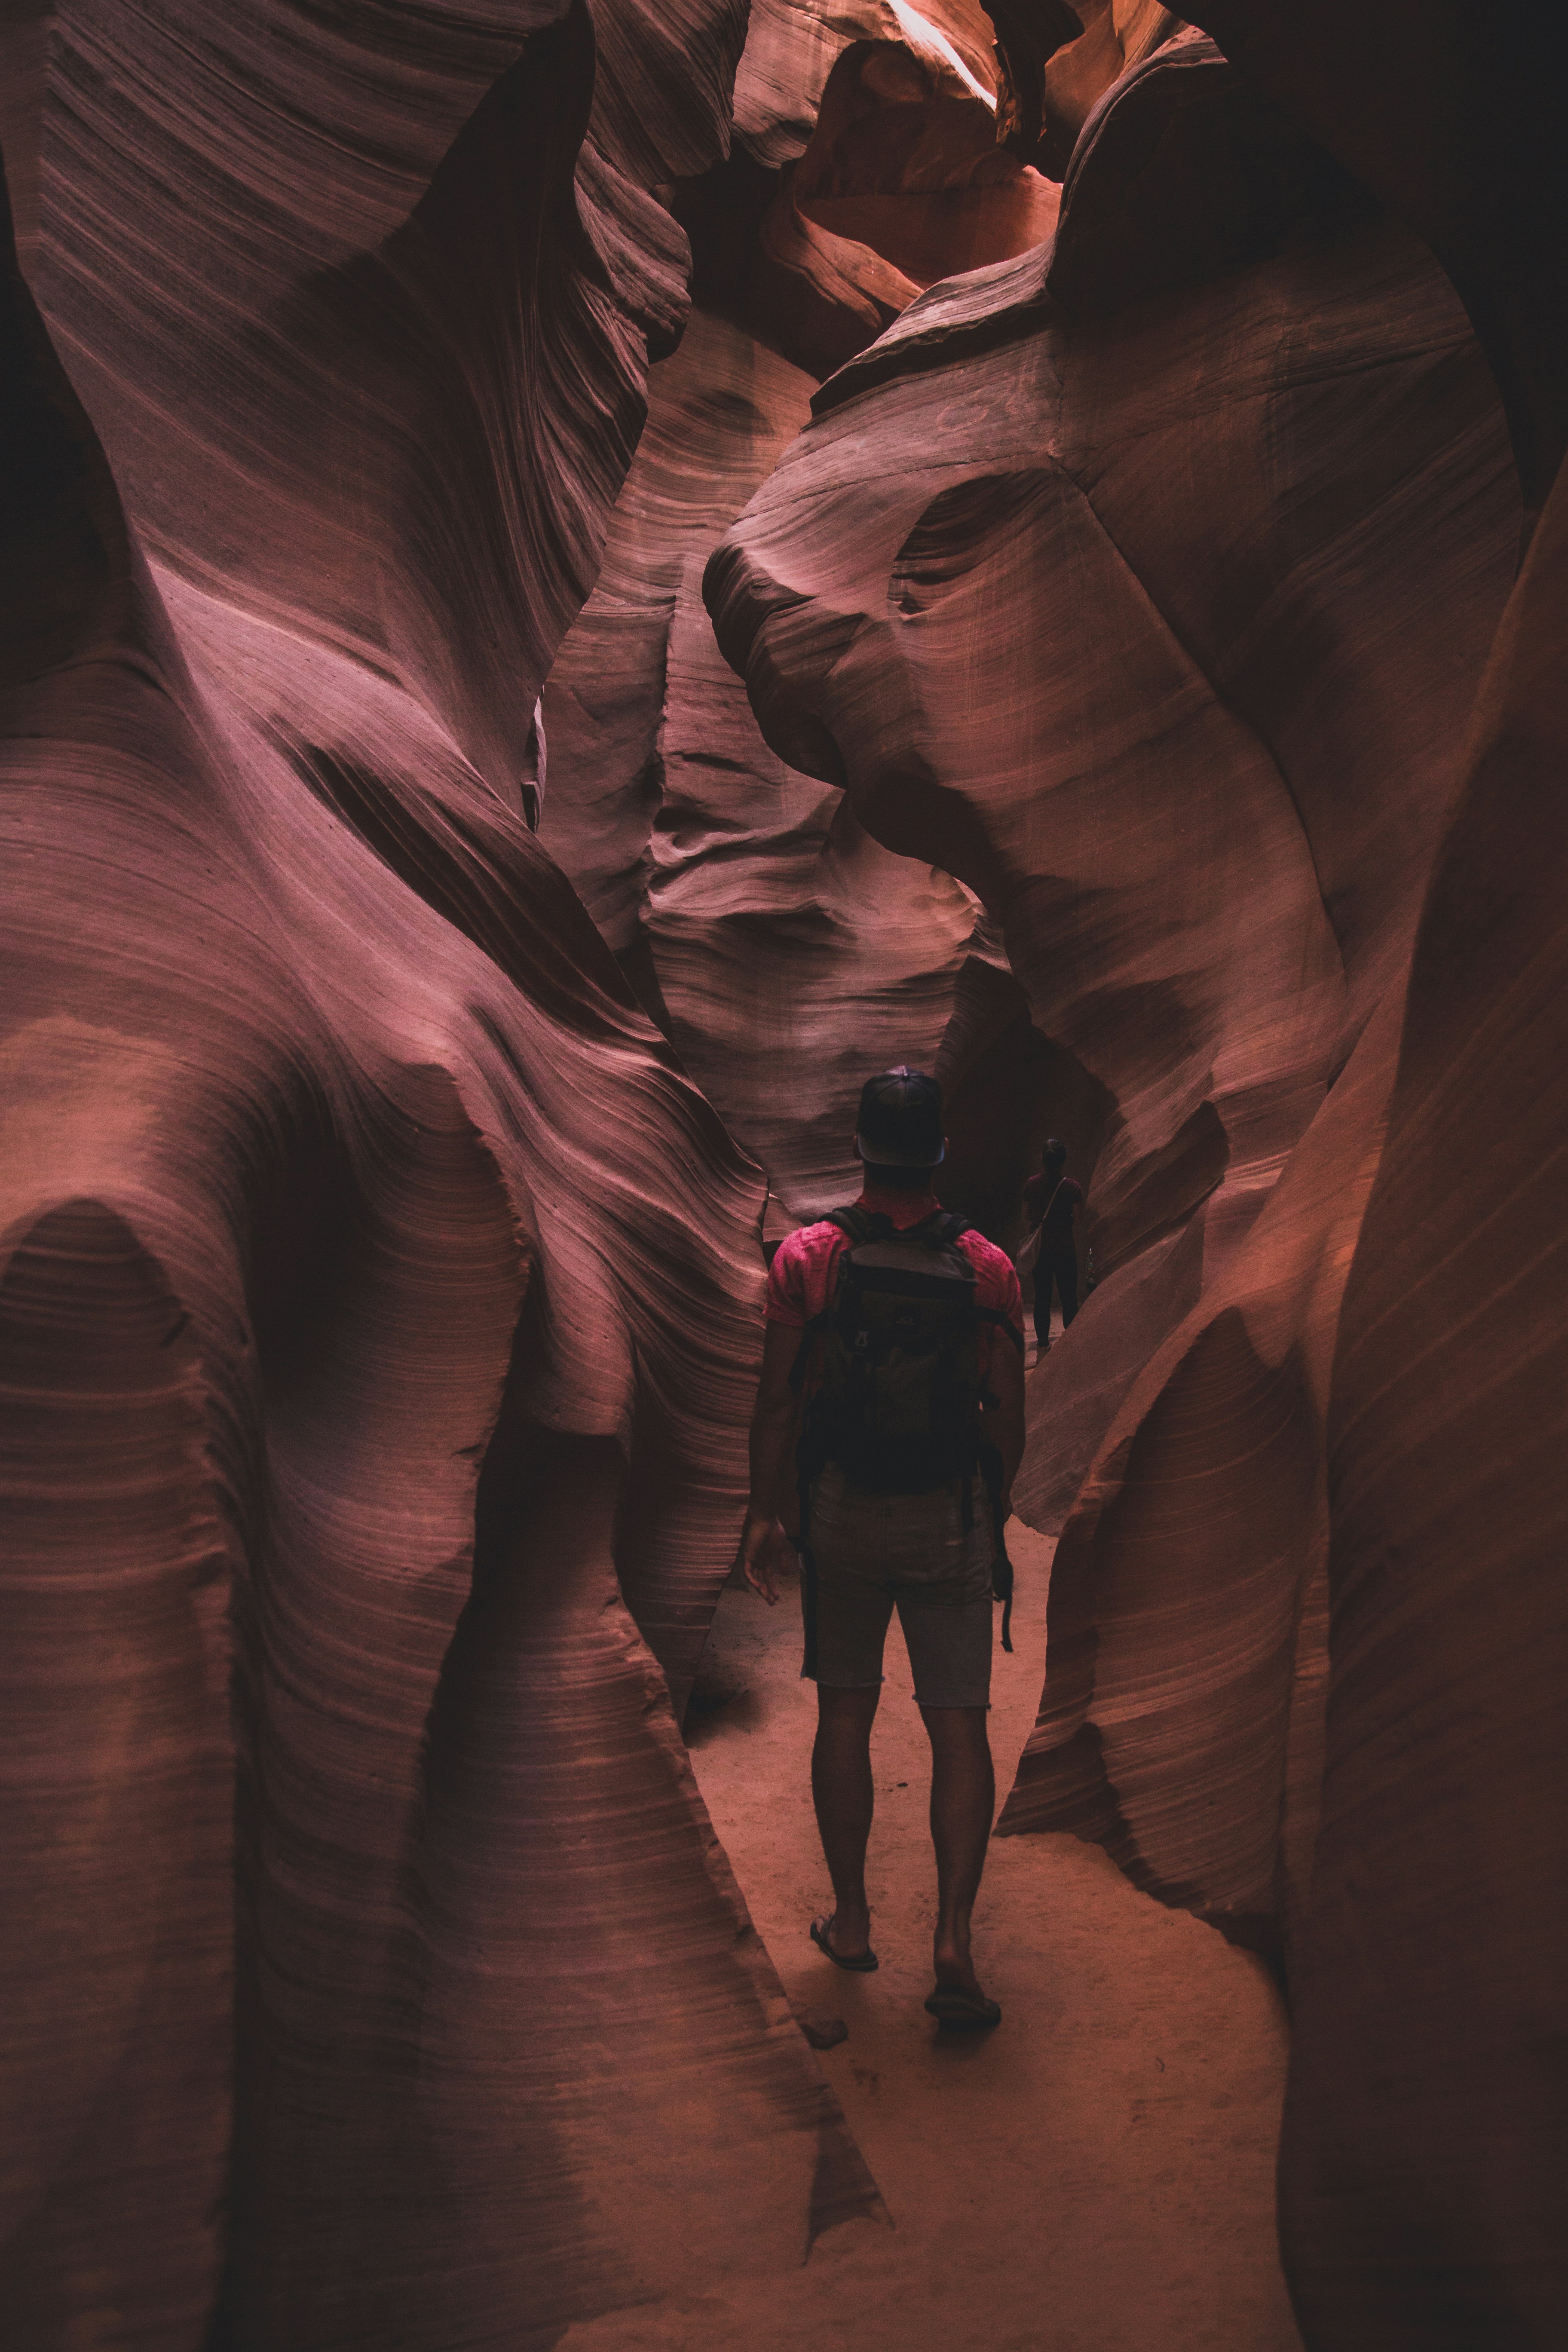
(954,1971)
(861,1962)
(962,2011)
(958,1999)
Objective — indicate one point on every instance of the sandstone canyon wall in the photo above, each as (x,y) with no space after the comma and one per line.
(379,1298)
(1149,583)
(1422,2197)
(783,950)
(490,761)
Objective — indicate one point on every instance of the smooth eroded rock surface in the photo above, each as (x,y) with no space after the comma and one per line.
(379,1298)
(573,577)
(1148,583)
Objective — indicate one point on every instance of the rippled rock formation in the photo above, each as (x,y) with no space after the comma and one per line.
(1421,2187)
(434,952)
(1107,605)
(1148,583)
(1143,657)
(379,1298)
(784,950)
(1421,2170)
(901,183)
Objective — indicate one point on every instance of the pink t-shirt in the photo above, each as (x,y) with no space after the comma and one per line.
(801,1278)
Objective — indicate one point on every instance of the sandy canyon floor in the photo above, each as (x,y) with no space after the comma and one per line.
(1096,2176)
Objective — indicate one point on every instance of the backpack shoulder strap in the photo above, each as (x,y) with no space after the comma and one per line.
(939,1231)
(1004,1322)
(858,1223)
(857,1226)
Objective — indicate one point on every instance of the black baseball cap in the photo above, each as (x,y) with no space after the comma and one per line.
(899,1124)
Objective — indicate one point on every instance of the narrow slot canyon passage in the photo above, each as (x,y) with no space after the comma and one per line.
(1096,2176)
(684,685)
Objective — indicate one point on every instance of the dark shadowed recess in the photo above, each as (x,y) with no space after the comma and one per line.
(1424,2197)
(65,559)
(902,184)
(1452,116)
(1179,175)
(1028,34)
(1006,1087)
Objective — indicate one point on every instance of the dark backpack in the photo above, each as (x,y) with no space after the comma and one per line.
(898,1406)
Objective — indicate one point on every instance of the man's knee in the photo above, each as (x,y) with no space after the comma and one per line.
(957,1730)
(837,1707)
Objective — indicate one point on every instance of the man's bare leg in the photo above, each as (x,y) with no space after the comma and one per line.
(841,1790)
(962,1801)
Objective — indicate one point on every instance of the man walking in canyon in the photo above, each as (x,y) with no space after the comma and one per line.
(1050,1199)
(894,1347)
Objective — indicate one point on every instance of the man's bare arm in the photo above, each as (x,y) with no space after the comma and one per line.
(763,1539)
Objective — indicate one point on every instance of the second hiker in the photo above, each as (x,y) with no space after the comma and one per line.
(895,1340)
(1049,1200)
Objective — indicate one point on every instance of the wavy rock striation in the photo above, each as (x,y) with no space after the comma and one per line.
(1093,581)
(1420,2168)
(782,947)
(1421,2189)
(901,183)
(1148,583)
(792,46)
(873,173)
(378,1292)
(377,1296)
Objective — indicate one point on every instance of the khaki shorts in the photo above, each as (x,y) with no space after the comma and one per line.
(874,1553)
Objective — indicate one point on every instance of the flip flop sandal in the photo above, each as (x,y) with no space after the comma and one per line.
(860,1964)
(965,2011)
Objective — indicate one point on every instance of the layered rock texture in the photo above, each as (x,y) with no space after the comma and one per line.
(379,1299)
(489,763)
(784,951)
(1147,582)
(782,947)
(1422,2168)
(1421,2180)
